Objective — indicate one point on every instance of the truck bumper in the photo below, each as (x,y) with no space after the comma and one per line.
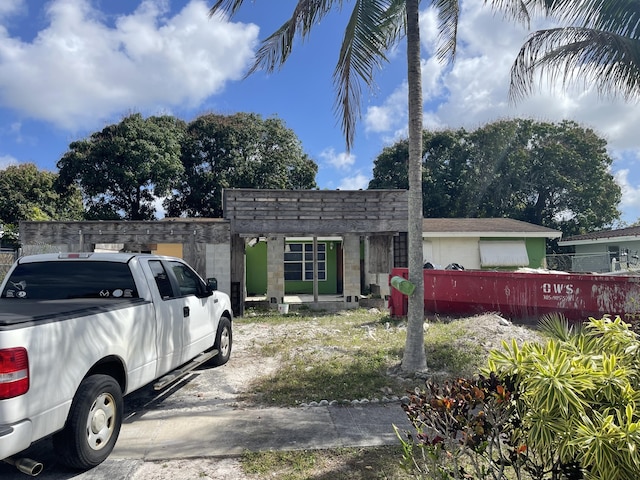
(15,438)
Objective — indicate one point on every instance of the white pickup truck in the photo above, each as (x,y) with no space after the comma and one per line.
(80,331)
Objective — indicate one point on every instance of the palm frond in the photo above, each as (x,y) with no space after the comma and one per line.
(619,16)
(229,7)
(277,47)
(609,61)
(519,10)
(373,28)
(448,19)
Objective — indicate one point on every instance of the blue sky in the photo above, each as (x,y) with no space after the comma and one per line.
(70,67)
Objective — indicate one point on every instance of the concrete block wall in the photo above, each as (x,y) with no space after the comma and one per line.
(218,265)
(275,270)
(351,247)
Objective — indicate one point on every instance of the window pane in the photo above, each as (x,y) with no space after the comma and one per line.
(161,278)
(187,279)
(293,257)
(293,271)
(73,279)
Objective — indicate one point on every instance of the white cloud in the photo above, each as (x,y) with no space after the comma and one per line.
(341,161)
(80,71)
(10,7)
(6,161)
(357,182)
(630,196)
(389,115)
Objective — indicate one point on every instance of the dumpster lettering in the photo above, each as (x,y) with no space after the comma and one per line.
(556,291)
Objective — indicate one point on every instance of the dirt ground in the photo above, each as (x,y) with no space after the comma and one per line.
(247,364)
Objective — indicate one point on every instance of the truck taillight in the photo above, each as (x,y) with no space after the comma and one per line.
(14,372)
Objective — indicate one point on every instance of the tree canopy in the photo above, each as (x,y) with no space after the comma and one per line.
(27,193)
(124,168)
(237,151)
(551,174)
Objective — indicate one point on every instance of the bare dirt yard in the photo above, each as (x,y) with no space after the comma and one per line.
(230,384)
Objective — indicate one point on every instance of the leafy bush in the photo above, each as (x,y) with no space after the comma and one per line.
(566,409)
(464,429)
(577,395)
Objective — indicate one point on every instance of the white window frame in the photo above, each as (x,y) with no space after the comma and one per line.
(301,253)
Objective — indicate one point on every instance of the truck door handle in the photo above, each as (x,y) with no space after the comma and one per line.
(185,311)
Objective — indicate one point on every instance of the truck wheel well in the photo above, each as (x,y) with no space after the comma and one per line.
(113,367)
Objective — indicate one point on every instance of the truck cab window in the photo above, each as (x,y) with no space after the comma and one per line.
(70,279)
(162,279)
(188,280)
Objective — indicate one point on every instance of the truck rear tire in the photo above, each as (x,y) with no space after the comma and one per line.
(224,341)
(93,424)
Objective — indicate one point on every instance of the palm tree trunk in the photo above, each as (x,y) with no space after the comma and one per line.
(414,358)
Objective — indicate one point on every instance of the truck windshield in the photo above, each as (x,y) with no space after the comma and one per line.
(75,279)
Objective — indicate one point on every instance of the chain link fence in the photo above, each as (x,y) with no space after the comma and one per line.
(588,263)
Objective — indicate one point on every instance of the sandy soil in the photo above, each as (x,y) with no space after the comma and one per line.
(230,382)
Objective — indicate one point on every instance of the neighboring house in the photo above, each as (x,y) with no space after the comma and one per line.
(485,243)
(604,250)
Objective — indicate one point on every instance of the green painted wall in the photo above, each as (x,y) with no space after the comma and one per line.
(256,265)
(256,269)
(537,251)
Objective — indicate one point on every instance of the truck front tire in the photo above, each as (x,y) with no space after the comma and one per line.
(93,424)
(224,341)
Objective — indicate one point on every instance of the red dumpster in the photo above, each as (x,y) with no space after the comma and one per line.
(523,296)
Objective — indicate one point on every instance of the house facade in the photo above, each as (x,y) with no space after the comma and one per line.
(605,250)
(274,243)
(473,243)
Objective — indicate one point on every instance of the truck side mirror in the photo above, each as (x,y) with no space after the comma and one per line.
(212,283)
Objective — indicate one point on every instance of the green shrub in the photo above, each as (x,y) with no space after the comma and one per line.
(577,396)
(563,410)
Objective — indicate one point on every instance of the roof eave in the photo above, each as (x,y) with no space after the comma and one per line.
(591,241)
(492,234)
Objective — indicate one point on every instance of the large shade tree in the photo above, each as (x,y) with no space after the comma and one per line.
(552,174)
(123,169)
(236,151)
(373,28)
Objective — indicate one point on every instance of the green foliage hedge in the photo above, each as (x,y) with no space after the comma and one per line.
(565,409)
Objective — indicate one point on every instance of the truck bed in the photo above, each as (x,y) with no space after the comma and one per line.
(23,312)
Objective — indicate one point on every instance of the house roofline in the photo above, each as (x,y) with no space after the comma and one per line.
(591,241)
(432,234)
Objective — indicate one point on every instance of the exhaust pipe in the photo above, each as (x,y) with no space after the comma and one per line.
(25,465)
